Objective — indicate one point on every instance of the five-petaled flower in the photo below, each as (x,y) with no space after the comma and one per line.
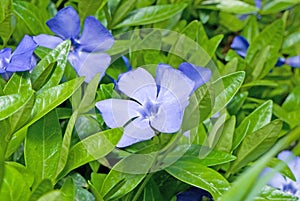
(86,53)
(240,45)
(283,183)
(154,105)
(20,60)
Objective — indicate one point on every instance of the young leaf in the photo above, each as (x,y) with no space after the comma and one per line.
(198,175)
(256,120)
(43,187)
(151,14)
(42,147)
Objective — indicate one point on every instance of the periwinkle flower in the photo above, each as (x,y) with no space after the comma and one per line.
(86,53)
(283,183)
(19,60)
(194,194)
(240,45)
(154,105)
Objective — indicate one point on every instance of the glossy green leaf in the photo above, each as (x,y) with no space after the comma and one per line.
(92,148)
(29,14)
(231,6)
(86,8)
(196,174)
(225,88)
(273,194)
(11,104)
(68,190)
(150,15)
(54,195)
(256,120)
(49,71)
(18,83)
(237,102)
(43,187)
(42,147)
(122,10)
(14,186)
(225,140)
(292,102)
(256,144)
(7,21)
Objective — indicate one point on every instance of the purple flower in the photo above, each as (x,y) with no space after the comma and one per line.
(155,105)
(240,45)
(283,183)
(194,194)
(86,53)
(20,60)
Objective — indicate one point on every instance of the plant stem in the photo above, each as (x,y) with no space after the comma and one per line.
(138,193)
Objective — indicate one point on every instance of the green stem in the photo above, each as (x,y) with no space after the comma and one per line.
(141,188)
(58,3)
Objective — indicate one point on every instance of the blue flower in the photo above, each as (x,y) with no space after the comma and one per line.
(283,183)
(240,45)
(154,105)
(86,53)
(20,60)
(194,194)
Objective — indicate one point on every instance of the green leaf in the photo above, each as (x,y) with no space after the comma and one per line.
(230,21)
(7,21)
(14,186)
(292,102)
(86,8)
(286,171)
(273,194)
(42,147)
(225,140)
(225,88)
(256,144)
(117,184)
(237,102)
(18,83)
(92,148)
(151,192)
(151,14)
(122,10)
(68,190)
(198,175)
(277,6)
(46,74)
(54,195)
(256,120)
(29,14)
(230,6)
(11,104)
(43,187)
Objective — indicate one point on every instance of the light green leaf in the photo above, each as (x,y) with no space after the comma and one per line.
(277,6)
(122,10)
(230,6)
(29,14)
(49,71)
(42,147)
(151,14)
(256,120)
(43,187)
(7,21)
(18,83)
(196,174)
(225,88)
(92,148)
(86,8)
(272,194)
(54,195)
(256,144)
(68,190)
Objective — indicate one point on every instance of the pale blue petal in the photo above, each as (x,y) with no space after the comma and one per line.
(5,55)
(21,58)
(168,119)
(48,41)
(95,37)
(65,24)
(117,112)
(277,181)
(139,128)
(126,141)
(293,61)
(240,45)
(174,86)
(139,85)
(89,64)
(258,3)
(198,74)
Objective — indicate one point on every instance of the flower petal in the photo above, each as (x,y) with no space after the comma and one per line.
(89,64)
(95,37)
(48,41)
(5,55)
(139,128)
(240,46)
(117,112)
(126,141)
(21,58)
(65,24)
(280,61)
(168,119)
(139,85)
(174,86)
(293,61)
(198,74)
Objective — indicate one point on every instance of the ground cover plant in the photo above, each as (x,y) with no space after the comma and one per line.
(137,100)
